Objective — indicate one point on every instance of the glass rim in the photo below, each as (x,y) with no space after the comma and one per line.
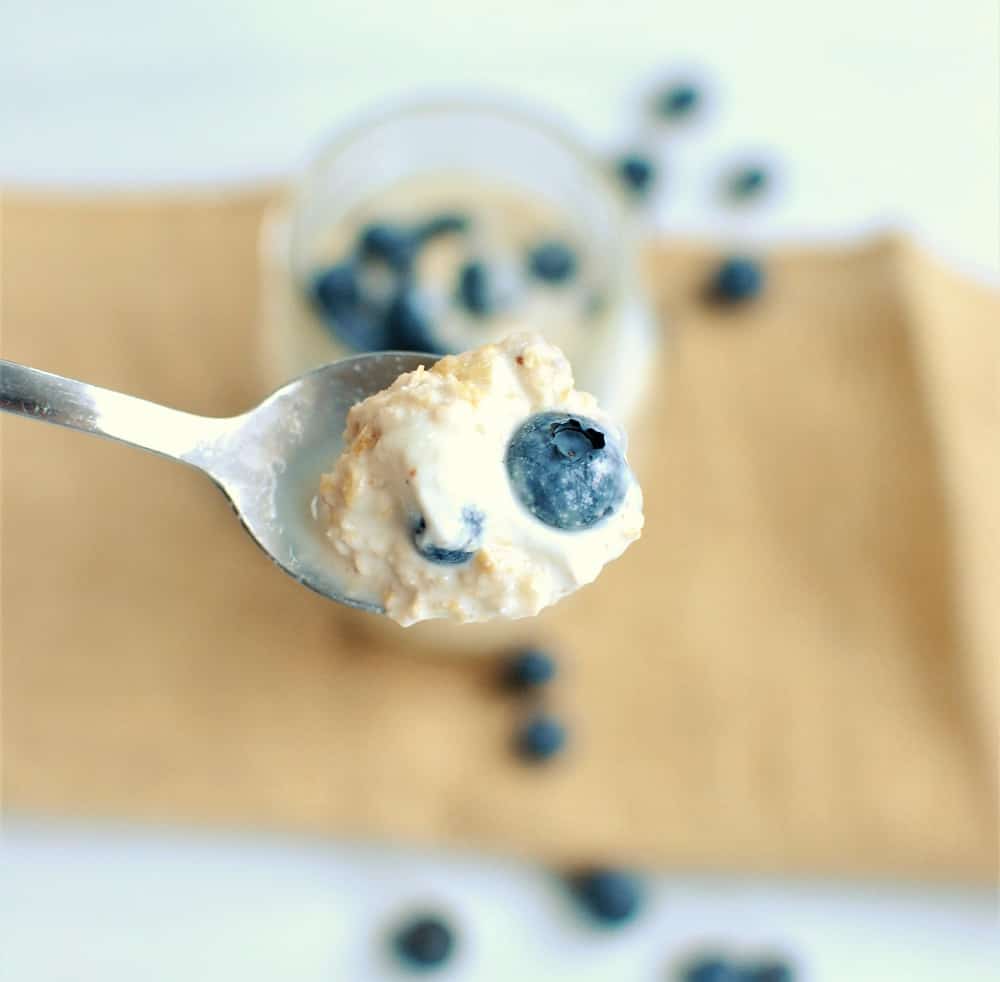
(503,108)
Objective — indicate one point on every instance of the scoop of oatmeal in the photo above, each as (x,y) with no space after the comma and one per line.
(484,487)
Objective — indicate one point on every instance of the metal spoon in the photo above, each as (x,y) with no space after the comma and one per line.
(266,461)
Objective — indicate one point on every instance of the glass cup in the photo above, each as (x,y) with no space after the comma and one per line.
(530,180)
(507,185)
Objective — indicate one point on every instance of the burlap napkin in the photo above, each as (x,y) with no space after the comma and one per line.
(794,669)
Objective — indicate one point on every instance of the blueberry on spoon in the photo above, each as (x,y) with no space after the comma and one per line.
(567,470)
(472,534)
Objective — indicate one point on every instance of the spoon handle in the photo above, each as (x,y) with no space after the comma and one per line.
(50,398)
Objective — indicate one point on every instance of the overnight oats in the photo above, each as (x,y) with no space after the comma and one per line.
(485,487)
(444,227)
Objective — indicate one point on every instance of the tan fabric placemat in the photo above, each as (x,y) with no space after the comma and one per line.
(793,670)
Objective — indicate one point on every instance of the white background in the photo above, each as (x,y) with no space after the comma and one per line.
(875,111)
(878,110)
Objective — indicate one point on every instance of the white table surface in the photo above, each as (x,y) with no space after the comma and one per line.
(109,904)
(876,111)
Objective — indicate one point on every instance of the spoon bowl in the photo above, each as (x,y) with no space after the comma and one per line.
(270,463)
(267,461)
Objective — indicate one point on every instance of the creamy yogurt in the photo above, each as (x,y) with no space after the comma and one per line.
(486,486)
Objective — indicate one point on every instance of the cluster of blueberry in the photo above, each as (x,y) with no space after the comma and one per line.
(541,736)
(609,897)
(679,102)
(368,298)
(638,172)
(737,278)
(428,940)
(372,301)
(566,470)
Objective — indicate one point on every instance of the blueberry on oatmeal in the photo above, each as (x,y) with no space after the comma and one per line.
(454,554)
(567,470)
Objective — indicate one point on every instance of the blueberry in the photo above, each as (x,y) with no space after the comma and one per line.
(447,223)
(568,471)
(474,288)
(769,970)
(738,278)
(360,330)
(747,182)
(407,326)
(529,668)
(337,294)
(554,262)
(336,289)
(540,738)
(637,173)
(425,942)
(472,534)
(710,968)
(679,99)
(611,896)
(392,244)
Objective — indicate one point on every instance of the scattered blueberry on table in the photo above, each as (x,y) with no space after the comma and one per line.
(426,942)
(678,100)
(769,970)
(392,244)
(540,738)
(553,262)
(637,174)
(472,520)
(475,289)
(736,279)
(528,669)
(747,182)
(610,896)
(568,471)
(710,967)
